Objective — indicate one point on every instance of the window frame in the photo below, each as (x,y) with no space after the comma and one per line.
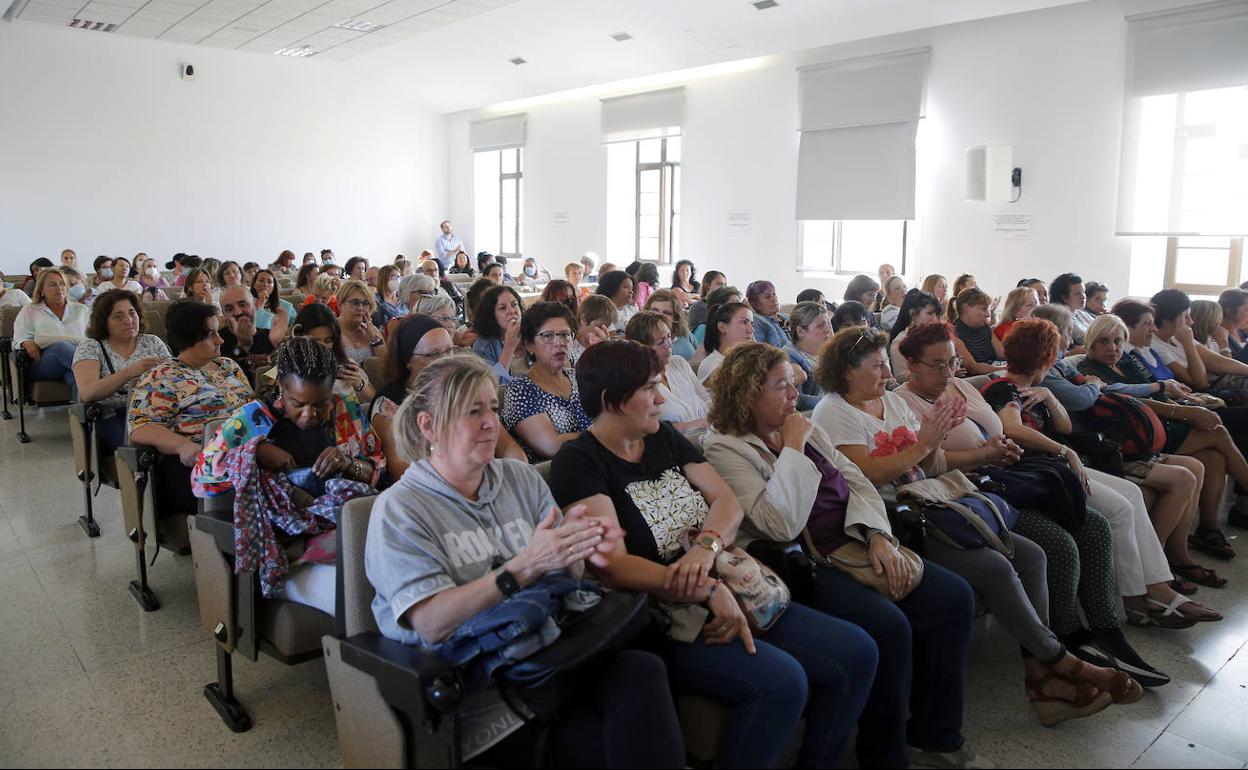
(835,268)
(503,177)
(1234,264)
(669,172)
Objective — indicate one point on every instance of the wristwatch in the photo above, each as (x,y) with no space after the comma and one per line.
(507,583)
(709,542)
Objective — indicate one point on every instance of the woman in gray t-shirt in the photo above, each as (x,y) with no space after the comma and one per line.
(115,353)
(459,532)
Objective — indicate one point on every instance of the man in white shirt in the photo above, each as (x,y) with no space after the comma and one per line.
(446,245)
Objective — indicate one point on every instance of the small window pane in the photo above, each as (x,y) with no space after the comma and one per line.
(649,226)
(648,249)
(650,150)
(673,149)
(509,161)
(1206,267)
(650,181)
(865,244)
(675,239)
(675,190)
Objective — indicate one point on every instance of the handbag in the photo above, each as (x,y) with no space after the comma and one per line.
(960,515)
(1124,419)
(1097,451)
(854,559)
(759,591)
(1046,485)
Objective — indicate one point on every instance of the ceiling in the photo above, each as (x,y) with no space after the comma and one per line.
(454,55)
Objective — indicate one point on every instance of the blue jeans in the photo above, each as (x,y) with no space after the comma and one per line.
(56,362)
(924,642)
(111,432)
(805,652)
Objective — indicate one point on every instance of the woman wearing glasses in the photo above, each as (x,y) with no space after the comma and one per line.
(360,338)
(319,323)
(543,406)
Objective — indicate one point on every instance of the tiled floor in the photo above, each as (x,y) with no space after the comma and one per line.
(89,679)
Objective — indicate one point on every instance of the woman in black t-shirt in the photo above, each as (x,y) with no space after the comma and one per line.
(632,469)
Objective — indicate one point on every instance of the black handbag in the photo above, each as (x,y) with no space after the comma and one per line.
(558,675)
(1046,485)
(1097,451)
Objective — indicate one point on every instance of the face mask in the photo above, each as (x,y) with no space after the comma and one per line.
(106,273)
(8,285)
(530,271)
(392,285)
(77,291)
(152,273)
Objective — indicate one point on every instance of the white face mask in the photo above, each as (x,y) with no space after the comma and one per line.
(77,291)
(152,273)
(530,271)
(106,272)
(392,285)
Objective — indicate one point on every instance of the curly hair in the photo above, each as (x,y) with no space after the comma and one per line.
(920,337)
(736,385)
(609,284)
(847,349)
(102,308)
(1030,346)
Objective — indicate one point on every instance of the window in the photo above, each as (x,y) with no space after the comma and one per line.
(643,200)
(498,190)
(1204,266)
(852,247)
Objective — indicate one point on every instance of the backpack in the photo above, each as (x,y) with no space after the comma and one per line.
(1138,429)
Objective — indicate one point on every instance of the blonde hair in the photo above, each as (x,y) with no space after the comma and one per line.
(44,274)
(324,284)
(445,390)
(679,324)
(596,307)
(929,283)
(1104,325)
(351,287)
(1015,300)
(1206,316)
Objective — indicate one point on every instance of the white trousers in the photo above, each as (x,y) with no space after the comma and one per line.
(1139,560)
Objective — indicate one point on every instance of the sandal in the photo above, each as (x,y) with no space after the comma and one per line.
(1180,586)
(1212,542)
(1173,609)
(1123,690)
(1053,711)
(1198,575)
(1171,620)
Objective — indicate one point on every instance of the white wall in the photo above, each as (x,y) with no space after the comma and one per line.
(1049,83)
(107,151)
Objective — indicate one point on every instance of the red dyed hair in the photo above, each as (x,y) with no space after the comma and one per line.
(919,337)
(1030,345)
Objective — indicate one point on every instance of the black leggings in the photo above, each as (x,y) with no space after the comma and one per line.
(627,719)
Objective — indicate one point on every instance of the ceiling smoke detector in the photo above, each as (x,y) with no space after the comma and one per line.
(94,26)
(763,5)
(519,60)
(620,37)
(356,25)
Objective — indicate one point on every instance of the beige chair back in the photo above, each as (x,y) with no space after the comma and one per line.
(357,592)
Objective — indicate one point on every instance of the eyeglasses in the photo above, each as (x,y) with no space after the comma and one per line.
(953,364)
(867,334)
(444,319)
(358,303)
(550,337)
(435,355)
(663,342)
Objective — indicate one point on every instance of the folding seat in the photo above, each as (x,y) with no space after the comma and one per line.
(8,315)
(17,382)
(375,368)
(154,314)
(89,463)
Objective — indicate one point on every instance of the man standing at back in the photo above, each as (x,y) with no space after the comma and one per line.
(446,246)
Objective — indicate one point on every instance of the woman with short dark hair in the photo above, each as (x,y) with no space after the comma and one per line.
(918,308)
(617,286)
(769,322)
(1193,364)
(496,321)
(685,281)
(637,473)
(542,407)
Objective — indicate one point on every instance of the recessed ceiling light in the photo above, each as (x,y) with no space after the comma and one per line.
(620,37)
(356,25)
(94,26)
(763,5)
(302,51)
(519,60)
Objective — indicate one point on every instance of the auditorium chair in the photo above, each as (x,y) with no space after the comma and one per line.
(89,461)
(375,369)
(8,316)
(17,370)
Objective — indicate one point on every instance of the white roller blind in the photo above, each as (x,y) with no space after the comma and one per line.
(858,122)
(1185,123)
(643,116)
(497,133)
(866,172)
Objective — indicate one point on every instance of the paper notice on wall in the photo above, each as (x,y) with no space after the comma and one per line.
(560,219)
(1011,227)
(740,222)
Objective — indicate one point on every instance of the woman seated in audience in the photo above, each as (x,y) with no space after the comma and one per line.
(1191,430)
(980,350)
(1193,364)
(10,295)
(814,295)
(152,281)
(666,302)
(417,342)
(273,314)
(228,275)
(542,407)
(78,291)
(1094,305)
(727,325)
(1081,563)
(532,274)
(332,270)
(894,294)
(285,263)
(121,279)
(877,431)
(114,355)
(685,400)
(175,400)
(849,313)
(1032,416)
(769,322)
(938,286)
(426,589)
(1018,306)
(1176,492)
(574,273)
(720,296)
(645,283)
(102,268)
(356,269)
(634,472)
(389,304)
(562,292)
(307,275)
(434,269)
(960,284)
(324,291)
(249,272)
(198,286)
(1067,291)
(618,287)
(1234,304)
(712,280)
(36,267)
(497,324)
(810,328)
(49,329)
(440,308)
(917,309)
(320,324)
(863,289)
(685,282)
(1039,287)
(360,338)
(463,265)
(595,319)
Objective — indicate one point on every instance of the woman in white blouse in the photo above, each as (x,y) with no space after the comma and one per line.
(685,400)
(50,327)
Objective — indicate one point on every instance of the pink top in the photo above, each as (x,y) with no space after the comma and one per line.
(967,434)
(642,293)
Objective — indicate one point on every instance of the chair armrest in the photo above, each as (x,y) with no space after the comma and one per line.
(411,680)
(908,523)
(218,522)
(138,459)
(86,413)
(21,357)
(791,563)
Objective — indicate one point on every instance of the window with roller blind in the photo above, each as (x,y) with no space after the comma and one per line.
(643,200)
(850,247)
(498,190)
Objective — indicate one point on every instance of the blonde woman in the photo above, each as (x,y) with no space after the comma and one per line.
(360,338)
(1018,306)
(938,286)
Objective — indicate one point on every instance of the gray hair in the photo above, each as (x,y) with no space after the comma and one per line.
(431,305)
(444,390)
(1102,327)
(1058,315)
(418,282)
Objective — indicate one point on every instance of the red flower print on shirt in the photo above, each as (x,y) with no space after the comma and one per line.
(886,444)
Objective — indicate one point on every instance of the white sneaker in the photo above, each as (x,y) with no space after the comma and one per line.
(950,760)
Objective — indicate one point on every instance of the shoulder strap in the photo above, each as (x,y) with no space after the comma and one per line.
(108,360)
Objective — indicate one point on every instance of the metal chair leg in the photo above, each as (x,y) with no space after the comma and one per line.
(6,380)
(88,522)
(139,588)
(22,436)
(221,694)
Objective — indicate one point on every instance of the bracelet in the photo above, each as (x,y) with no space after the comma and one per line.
(714,534)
